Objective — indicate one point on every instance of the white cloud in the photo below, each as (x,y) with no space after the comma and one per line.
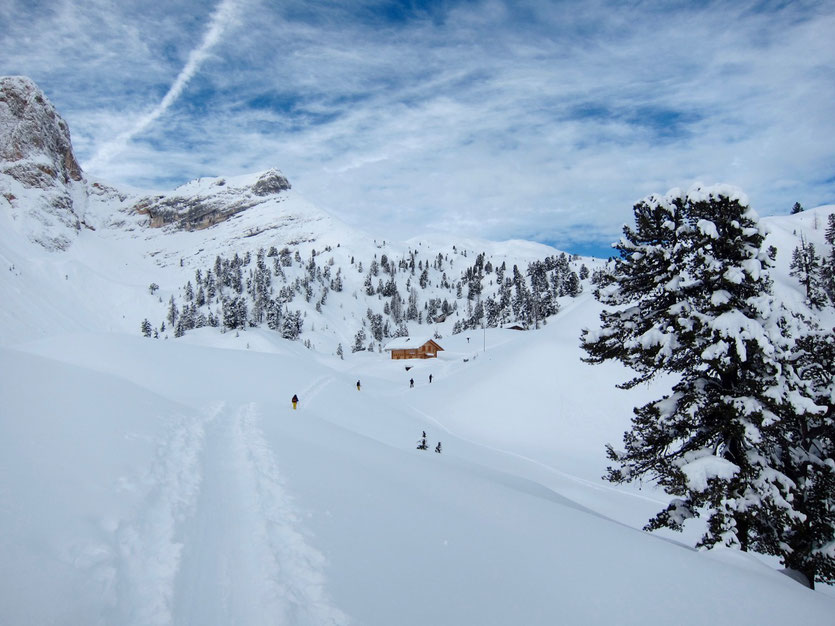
(220,18)
(503,119)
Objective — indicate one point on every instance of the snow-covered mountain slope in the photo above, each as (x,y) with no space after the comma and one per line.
(170,481)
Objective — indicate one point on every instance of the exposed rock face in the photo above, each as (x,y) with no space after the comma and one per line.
(270,183)
(194,209)
(38,169)
(43,187)
(35,146)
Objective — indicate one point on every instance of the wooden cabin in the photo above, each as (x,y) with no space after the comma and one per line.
(413,348)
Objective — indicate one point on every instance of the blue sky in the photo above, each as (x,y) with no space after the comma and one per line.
(536,120)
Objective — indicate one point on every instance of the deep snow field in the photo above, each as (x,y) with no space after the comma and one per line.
(170,481)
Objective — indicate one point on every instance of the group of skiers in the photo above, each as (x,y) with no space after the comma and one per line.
(412,381)
(295,399)
(422,444)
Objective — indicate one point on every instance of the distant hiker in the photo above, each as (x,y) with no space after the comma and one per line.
(295,401)
(358,385)
(411,382)
(468,340)
(438,448)
(430,378)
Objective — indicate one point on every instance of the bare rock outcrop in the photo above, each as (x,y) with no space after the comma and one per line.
(35,145)
(37,166)
(194,207)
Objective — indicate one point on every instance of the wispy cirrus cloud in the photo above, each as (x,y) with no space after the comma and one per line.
(220,18)
(523,119)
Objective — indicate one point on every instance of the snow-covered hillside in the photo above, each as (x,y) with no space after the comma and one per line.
(169,480)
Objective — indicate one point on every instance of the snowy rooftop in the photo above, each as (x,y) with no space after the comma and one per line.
(402,343)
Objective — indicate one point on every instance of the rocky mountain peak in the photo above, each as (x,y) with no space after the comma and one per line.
(205,202)
(35,146)
(270,183)
(39,174)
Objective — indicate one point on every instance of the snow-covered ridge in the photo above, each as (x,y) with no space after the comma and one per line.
(201,204)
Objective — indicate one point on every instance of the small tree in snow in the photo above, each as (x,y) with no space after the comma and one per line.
(422,445)
(359,341)
(806,267)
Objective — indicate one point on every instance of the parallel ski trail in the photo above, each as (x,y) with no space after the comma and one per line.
(246,558)
(147,552)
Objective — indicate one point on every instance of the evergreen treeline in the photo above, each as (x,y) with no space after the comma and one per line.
(746,435)
(248,291)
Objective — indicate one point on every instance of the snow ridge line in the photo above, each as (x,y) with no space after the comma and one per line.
(295,567)
(148,549)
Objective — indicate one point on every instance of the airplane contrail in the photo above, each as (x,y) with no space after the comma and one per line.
(223,14)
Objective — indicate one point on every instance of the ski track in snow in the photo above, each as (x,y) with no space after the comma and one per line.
(148,548)
(216,539)
(315,388)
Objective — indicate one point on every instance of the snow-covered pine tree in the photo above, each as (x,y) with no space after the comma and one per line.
(173,312)
(359,341)
(644,284)
(693,296)
(799,521)
(828,262)
(291,324)
(422,445)
(806,267)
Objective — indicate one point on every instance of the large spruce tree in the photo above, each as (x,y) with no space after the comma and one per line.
(692,298)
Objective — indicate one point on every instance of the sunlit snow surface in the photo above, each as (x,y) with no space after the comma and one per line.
(170,481)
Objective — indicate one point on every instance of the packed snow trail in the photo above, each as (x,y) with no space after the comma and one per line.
(217,539)
(246,560)
(149,547)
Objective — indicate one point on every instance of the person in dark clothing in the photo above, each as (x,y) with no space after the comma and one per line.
(295,400)
(358,385)
(411,382)
(430,378)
